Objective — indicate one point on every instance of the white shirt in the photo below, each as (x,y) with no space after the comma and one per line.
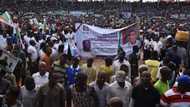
(147,43)
(181,100)
(101,93)
(3,42)
(116,66)
(123,93)
(41,53)
(33,52)
(157,46)
(40,80)
(54,54)
(56,46)
(27,39)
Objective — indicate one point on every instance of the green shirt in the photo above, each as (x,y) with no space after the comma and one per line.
(161,86)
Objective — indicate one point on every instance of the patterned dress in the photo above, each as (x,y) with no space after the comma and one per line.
(83,99)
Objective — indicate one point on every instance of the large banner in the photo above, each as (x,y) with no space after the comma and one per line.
(96,41)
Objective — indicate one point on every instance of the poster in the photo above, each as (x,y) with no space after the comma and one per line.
(98,41)
(8,62)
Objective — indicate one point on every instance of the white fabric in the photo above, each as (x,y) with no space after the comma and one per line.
(54,54)
(116,66)
(157,46)
(40,80)
(123,93)
(171,103)
(41,53)
(146,43)
(33,52)
(101,93)
(105,31)
(3,42)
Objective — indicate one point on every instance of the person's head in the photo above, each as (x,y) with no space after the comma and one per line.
(146,77)
(166,73)
(90,62)
(142,68)
(42,68)
(43,46)
(53,79)
(120,78)
(125,68)
(183,83)
(75,62)
(166,60)
(120,50)
(63,59)
(174,47)
(115,102)
(48,51)
(132,37)
(108,61)
(50,44)
(12,95)
(101,78)
(154,55)
(61,48)
(29,83)
(32,42)
(121,57)
(81,79)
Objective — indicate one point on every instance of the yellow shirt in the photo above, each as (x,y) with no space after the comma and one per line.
(107,70)
(153,66)
(91,72)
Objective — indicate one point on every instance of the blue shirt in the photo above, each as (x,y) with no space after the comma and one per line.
(71,74)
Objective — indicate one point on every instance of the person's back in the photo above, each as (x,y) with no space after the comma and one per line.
(144,94)
(27,97)
(90,71)
(133,60)
(4,84)
(28,92)
(179,96)
(153,64)
(51,94)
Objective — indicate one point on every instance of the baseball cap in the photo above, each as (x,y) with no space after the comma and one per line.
(184,79)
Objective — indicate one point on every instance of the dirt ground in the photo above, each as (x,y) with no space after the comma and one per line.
(97,61)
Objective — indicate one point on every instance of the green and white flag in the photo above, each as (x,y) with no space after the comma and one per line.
(6,19)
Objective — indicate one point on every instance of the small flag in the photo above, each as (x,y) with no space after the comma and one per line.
(6,19)
(122,38)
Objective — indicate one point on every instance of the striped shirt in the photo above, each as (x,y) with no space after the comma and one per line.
(172,98)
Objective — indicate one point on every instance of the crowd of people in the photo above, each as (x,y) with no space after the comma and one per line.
(51,73)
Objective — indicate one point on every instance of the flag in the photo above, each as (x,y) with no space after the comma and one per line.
(6,19)
(122,38)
